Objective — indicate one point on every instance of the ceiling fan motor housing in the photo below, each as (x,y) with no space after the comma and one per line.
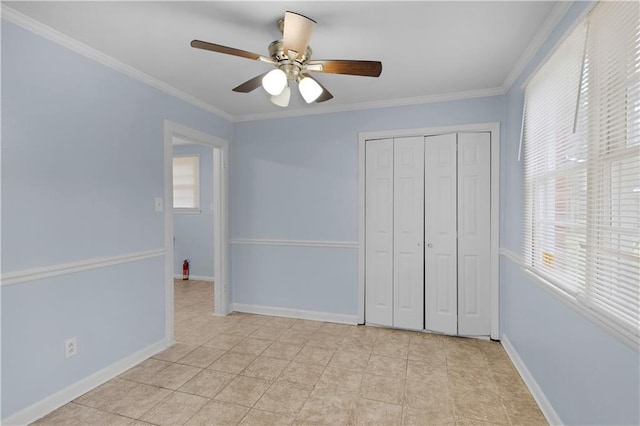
(291,67)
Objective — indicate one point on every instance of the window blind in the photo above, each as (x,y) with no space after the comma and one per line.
(582,166)
(186,182)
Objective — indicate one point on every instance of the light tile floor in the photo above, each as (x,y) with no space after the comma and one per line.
(261,370)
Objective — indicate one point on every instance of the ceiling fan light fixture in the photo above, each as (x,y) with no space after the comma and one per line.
(291,57)
(282,100)
(309,89)
(274,82)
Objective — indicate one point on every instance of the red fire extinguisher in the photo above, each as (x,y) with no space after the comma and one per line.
(185,269)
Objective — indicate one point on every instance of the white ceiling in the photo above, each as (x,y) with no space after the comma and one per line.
(427,49)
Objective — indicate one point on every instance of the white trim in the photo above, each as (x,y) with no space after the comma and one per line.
(194,277)
(295,313)
(545,405)
(361,226)
(186,210)
(600,320)
(549,24)
(422,131)
(169,239)
(327,109)
(495,230)
(515,257)
(26,275)
(295,243)
(70,43)
(221,217)
(494,129)
(43,407)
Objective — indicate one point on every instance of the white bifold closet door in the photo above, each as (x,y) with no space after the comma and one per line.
(379,231)
(427,231)
(394,223)
(408,231)
(474,234)
(441,256)
(457,233)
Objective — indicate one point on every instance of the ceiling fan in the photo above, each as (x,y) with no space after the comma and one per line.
(292,58)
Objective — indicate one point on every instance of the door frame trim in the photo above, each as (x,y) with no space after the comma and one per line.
(494,129)
(221,217)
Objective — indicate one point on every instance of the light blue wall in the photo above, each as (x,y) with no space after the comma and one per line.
(296,179)
(588,376)
(113,312)
(82,160)
(194,232)
(301,278)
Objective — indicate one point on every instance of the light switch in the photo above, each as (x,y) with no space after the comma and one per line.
(159,204)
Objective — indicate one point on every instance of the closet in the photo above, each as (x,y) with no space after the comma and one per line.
(427,232)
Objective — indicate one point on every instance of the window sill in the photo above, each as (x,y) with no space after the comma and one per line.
(604,322)
(187,211)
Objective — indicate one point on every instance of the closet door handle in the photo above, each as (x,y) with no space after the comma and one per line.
(430,245)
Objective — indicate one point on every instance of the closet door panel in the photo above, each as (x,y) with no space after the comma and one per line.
(440,234)
(474,233)
(408,231)
(379,232)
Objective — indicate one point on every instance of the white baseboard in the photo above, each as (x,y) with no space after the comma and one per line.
(295,313)
(195,277)
(544,404)
(43,407)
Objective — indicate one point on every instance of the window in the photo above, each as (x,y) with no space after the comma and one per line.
(582,167)
(186,188)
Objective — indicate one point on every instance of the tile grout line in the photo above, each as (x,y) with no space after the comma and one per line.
(240,326)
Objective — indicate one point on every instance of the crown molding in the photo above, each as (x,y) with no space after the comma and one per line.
(455,96)
(549,24)
(64,40)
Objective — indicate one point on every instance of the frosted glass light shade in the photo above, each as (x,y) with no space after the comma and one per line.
(309,89)
(282,100)
(274,82)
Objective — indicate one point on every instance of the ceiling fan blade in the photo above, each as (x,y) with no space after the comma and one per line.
(250,85)
(198,44)
(363,68)
(325,95)
(296,34)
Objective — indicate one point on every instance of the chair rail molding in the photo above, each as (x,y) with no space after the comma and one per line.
(294,243)
(34,274)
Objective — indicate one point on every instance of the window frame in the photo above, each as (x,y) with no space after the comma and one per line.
(599,166)
(196,185)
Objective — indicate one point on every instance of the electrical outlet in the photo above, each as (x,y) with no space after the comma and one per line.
(70,347)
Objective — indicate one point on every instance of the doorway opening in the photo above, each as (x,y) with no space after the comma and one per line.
(195,222)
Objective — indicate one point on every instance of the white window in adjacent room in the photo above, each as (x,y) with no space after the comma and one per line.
(582,168)
(186,185)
